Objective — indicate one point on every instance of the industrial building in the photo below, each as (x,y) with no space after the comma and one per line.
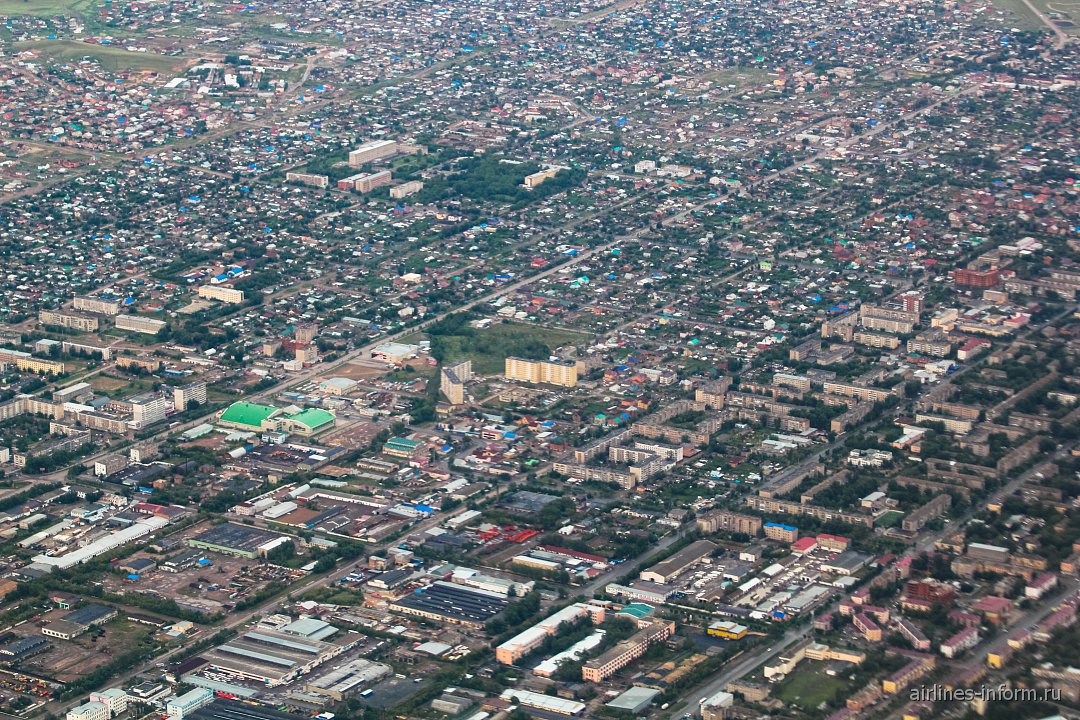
(528,640)
(247,416)
(274,657)
(348,679)
(221,709)
(182,706)
(666,570)
(452,603)
(239,540)
(76,622)
(141,528)
(636,700)
(548,703)
(89,711)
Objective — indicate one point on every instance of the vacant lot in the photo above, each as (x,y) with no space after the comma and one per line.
(41,8)
(110,57)
(488,348)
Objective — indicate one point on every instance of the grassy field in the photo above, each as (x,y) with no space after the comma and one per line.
(1068,10)
(808,686)
(889,519)
(111,57)
(40,8)
(489,348)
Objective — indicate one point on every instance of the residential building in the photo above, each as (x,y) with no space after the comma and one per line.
(139,324)
(549,372)
(372,151)
(732,522)
(101,306)
(221,293)
(28,363)
(783,533)
(309,179)
(406,189)
(453,379)
(600,668)
(71,320)
(184,396)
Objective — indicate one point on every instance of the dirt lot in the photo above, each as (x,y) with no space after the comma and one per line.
(207,588)
(68,660)
(360,371)
(356,435)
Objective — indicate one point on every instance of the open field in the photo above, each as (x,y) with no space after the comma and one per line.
(111,57)
(41,8)
(488,348)
(808,686)
(1066,13)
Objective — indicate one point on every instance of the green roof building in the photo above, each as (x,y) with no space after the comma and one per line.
(401,447)
(309,422)
(247,416)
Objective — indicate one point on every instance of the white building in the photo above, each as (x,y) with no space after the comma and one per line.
(89,711)
(189,702)
(115,699)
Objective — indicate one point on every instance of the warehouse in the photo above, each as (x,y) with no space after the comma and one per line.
(311,421)
(847,563)
(453,604)
(76,622)
(634,701)
(666,570)
(234,710)
(23,648)
(348,679)
(272,657)
(239,540)
(247,416)
(101,546)
(544,702)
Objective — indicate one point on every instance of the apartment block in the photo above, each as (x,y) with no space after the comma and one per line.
(144,325)
(149,408)
(309,179)
(549,372)
(406,189)
(73,321)
(221,293)
(372,151)
(933,342)
(876,340)
(185,395)
(726,521)
(626,652)
(102,306)
(859,392)
(453,379)
(28,363)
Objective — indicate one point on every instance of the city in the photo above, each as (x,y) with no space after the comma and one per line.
(575,359)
